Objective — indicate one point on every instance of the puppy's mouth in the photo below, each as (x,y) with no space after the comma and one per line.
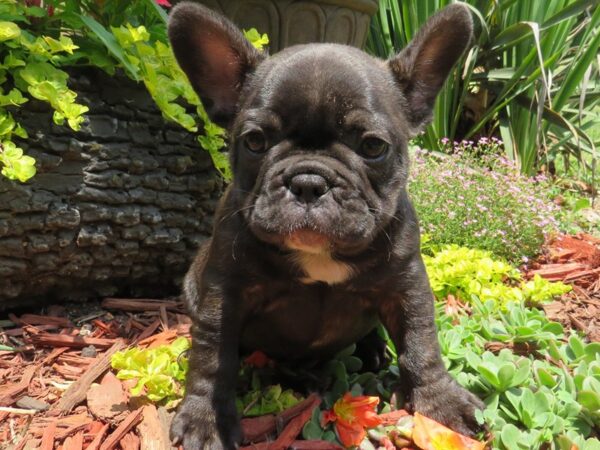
(309,241)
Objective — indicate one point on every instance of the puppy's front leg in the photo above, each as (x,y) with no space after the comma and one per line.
(409,318)
(207,417)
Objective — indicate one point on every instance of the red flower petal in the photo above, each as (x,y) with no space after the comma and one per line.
(352,415)
(257,359)
(350,435)
(164,3)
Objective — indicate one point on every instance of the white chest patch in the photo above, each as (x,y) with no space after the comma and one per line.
(322,267)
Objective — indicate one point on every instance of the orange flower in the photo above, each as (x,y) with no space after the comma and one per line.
(352,416)
(431,435)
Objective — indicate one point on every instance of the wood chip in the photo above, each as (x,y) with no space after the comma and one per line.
(20,411)
(74,442)
(98,439)
(48,436)
(130,442)
(34,319)
(62,340)
(78,390)
(10,394)
(140,304)
(107,400)
(153,432)
(163,338)
(390,418)
(294,427)
(256,429)
(149,331)
(115,437)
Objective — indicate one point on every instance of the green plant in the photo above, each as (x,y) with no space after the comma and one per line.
(479,200)
(464,273)
(545,397)
(160,372)
(37,43)
(270,400)
(29,70)
(15,165)
(530,77)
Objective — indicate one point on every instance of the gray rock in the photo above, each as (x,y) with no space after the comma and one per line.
(89,351)
(32,403)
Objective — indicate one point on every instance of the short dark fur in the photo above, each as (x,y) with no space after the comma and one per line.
(312,108)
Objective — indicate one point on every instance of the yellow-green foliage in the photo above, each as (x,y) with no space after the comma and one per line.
(160,372)
(29,70)
(464,272)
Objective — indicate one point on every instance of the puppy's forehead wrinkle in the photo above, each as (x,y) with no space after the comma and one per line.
(313,75)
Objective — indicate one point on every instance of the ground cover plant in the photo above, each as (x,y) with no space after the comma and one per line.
(475,197)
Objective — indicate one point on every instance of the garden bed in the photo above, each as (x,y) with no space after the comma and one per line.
(50,364)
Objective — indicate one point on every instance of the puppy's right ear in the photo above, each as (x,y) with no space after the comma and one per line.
(215,56)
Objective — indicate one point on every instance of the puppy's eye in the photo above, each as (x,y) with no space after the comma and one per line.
(373,148)
(255,142)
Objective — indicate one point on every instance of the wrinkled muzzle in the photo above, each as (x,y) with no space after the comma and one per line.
(311,204)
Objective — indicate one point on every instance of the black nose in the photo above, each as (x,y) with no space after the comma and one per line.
(307,187)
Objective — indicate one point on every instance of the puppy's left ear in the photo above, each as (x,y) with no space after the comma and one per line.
(421,68)
(215,56)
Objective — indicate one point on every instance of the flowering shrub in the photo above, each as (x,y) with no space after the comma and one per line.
(477,199)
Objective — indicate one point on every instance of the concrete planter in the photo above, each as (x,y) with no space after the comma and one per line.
(290,22)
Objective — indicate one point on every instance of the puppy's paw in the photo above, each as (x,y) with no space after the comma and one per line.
(198,426)
(449,404)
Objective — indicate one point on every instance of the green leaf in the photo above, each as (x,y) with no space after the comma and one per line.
(352,363)
(576,345)
(589,399)
(510,436)
(312,431)
(489,372)
(8,31)
(256,39)
(545,377)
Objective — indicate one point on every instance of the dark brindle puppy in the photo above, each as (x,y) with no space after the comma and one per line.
(315,241)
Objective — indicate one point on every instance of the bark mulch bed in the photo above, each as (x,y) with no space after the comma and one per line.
(56,392)
(574,260)
(47,399)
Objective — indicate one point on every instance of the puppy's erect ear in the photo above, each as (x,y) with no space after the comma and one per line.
(215,56)
(422,67)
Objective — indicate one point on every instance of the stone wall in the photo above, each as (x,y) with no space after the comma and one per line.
(117,208)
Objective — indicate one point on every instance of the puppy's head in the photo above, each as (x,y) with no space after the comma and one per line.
(318,133)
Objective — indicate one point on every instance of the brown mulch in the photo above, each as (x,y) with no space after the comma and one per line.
(574,260)
(56,391)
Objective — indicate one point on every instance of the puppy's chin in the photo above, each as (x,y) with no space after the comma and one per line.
(308,241)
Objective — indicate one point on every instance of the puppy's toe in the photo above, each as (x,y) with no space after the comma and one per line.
(199,426)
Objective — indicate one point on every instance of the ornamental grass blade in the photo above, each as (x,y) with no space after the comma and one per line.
(111,44)
(160,13)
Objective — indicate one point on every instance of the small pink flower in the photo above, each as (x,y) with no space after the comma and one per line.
(164,3)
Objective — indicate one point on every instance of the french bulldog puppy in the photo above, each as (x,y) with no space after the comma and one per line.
(315,241)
